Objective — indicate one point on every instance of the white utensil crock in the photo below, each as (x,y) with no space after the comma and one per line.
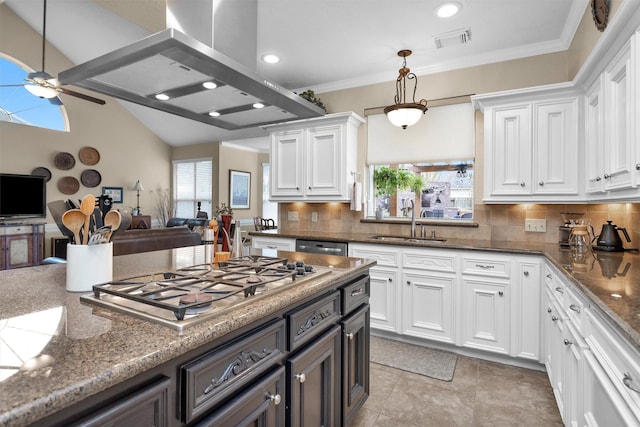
(88,265)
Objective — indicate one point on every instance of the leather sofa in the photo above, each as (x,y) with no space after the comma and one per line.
(153,239)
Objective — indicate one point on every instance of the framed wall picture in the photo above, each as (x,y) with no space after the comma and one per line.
(239,189)
(114,192)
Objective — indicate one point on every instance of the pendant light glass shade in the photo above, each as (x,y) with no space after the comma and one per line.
(403,113)
(41,91)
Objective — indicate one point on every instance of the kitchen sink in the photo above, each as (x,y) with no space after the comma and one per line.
(408,239)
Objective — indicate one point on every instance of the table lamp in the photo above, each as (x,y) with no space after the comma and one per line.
(138,187)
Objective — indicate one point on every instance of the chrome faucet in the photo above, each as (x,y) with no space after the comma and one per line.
(413,219)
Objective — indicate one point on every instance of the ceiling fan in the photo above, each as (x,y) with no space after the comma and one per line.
(42,84)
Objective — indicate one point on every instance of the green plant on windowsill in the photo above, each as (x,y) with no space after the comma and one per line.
(389,180)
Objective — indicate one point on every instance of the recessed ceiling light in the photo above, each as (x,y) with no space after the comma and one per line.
(162,97)
(209,85)
(270,58)
(214,114)
(258,105)
(447,10)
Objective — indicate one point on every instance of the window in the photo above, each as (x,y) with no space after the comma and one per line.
(192,180)
(18,105)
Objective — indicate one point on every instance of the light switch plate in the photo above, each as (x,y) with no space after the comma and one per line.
(292,216)
(314,216)
(535,225)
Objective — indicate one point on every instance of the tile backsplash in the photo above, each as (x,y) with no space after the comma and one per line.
(494,222)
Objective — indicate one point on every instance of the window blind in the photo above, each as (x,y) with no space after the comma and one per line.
(192,180)
(443,134)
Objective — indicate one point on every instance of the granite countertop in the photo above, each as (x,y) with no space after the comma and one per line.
(609,280)
(76,350)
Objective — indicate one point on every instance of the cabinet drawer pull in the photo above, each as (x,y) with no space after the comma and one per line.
(567,342)
(275,398)
(500,293)
(301,377)
(350,336)
(309,187)
(522,184)
(357,292)
(548,276)
(607,176)
(526,273)
(548,309)
(485,266)
(408,282)
(628,382)
(575,308)
(390,279)
(598,179)
(272,247)
(554,318)
(559,289)
(638,166)
(541,183)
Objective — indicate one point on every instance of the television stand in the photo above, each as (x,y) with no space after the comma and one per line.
(21,245)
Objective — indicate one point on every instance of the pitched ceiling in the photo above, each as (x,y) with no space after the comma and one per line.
(324,45)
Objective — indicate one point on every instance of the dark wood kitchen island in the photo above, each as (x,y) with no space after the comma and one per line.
(64,361)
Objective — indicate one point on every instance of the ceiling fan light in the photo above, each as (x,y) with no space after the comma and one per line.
(447,10)
(41,91)
(404,115)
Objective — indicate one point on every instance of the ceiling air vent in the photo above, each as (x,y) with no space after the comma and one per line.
(453,38)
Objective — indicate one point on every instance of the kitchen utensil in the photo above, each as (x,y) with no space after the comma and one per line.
(87,206)
(74,219)
(609,238)
(112,219)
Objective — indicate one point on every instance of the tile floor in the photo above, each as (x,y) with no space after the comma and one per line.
(482,393)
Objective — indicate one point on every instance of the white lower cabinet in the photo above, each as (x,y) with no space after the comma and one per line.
(486,314)
(274,243)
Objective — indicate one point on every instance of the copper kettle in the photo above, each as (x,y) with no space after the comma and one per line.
(609,239)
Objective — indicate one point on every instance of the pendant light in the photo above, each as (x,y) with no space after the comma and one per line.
(403,113)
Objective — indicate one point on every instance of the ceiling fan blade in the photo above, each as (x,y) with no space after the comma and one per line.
(55,101)
(18,85)
(82,96)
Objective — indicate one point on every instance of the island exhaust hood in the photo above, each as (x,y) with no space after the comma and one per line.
(177,65)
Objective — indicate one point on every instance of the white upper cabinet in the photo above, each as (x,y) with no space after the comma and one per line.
(531,147)
(594,139)
(313,160)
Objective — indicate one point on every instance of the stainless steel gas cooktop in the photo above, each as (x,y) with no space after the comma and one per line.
(197,293)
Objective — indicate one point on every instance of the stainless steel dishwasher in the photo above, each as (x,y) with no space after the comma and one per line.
(322,247)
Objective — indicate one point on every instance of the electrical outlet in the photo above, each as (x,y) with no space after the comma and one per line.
(314,216)
(535,225)
(292,216)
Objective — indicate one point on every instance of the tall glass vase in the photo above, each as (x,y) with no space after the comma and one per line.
(226,224)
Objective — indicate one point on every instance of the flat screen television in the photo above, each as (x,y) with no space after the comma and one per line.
(22,196)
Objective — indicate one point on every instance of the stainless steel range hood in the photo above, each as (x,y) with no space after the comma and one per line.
(177,65)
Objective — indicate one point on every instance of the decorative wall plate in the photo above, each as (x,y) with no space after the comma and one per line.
(90,178)
(42,171)
(89,156)
(64,161)
(68,185)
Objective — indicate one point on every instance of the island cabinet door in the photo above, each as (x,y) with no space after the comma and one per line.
(313,395)
(261,405)
(355,363)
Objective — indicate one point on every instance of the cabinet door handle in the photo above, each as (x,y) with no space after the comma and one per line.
(549,310)
(548,276)
(350,336)
(526,273)
(390,279)
(297,188)
(522,184)
(357,292)
(500,293)
(485,266)
(309,187)
(607,176)
(554,318)
(408,282)
(541,183)
(275,398)
(638,166)
(575,308)
(559,289)
(272,247)
(598,179)
(628,382)
(567,342)
(301,377)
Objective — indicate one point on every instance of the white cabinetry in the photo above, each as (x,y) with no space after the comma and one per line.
(274,243)
(429,291)
(531,146)
(594,139)
(312,160)
(385,284)
(527,327)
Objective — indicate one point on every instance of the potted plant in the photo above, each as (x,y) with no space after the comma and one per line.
(225,213)
(388,181)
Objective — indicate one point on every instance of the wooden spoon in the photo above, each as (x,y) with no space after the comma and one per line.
(112,218)
(74,219)
(87,206)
